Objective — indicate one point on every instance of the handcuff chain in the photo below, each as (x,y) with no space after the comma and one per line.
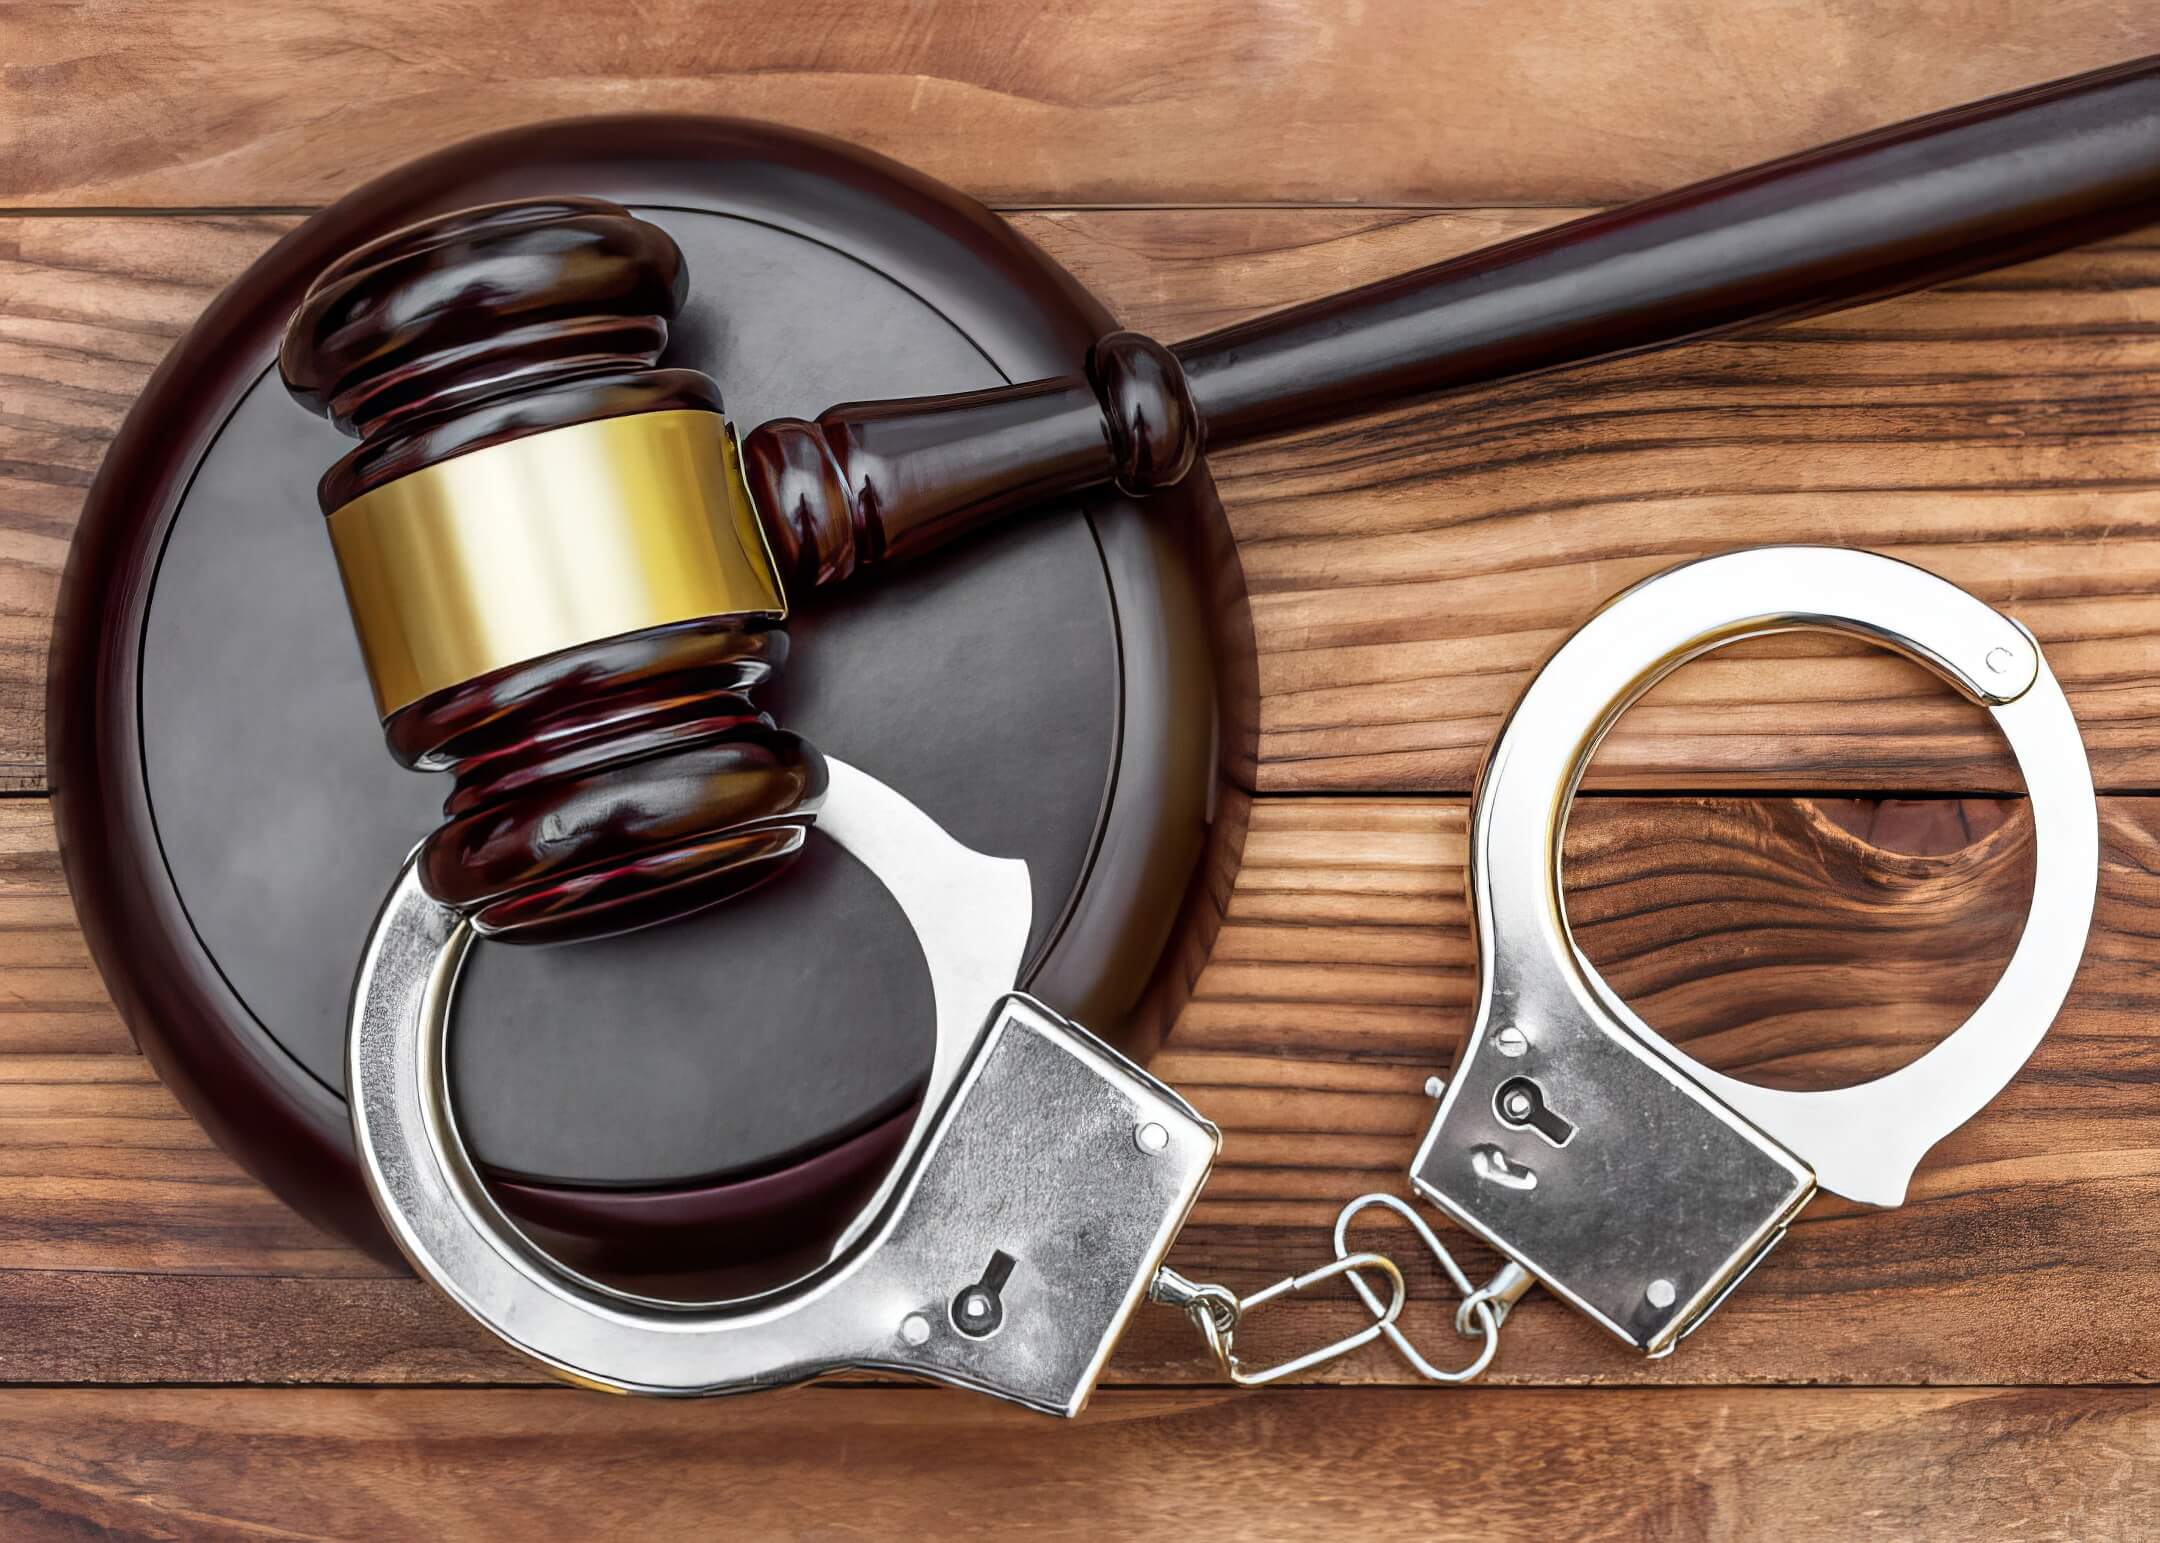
(1216,1311)
(1482,1311)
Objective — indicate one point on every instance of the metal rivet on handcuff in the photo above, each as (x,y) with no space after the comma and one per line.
(1033,1203)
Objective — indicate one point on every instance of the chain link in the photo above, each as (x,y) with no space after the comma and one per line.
(1217,1312)
(1477,1315)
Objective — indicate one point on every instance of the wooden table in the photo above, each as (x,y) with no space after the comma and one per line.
(1805,860)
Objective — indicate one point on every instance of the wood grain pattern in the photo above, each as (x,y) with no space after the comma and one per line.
(155,102)
(1794,941)
(876,1463)
(1408,571)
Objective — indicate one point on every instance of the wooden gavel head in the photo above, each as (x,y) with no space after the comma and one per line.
(558,578)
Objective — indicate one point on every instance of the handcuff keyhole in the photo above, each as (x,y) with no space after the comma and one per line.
(979,1310)
(1520,1105)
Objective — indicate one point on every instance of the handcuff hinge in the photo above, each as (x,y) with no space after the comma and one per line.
(1498,1295)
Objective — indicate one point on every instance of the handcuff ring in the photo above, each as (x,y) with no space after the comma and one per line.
(1027,1152)
(1605,1162)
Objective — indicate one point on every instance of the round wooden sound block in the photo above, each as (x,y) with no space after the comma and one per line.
(230,819)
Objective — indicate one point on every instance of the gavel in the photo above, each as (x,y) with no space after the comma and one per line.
(569,583)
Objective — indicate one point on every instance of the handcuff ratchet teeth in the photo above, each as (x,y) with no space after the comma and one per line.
(1034,1202)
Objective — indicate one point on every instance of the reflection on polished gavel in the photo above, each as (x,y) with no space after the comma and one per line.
(569,584)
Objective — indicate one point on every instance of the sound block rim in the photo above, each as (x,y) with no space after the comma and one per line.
(1142,901)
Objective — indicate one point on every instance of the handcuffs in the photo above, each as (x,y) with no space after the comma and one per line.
(1031,1209)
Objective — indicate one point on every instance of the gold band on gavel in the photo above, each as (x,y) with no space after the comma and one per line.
(538,544)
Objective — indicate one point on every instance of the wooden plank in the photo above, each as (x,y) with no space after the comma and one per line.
(86,313)
(1795,941)
(192,103)
(880,1463)
(1410,570)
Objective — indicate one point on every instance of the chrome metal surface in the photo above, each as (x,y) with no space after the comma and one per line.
(1657,1178)
(1626,1176)
(1026,1154)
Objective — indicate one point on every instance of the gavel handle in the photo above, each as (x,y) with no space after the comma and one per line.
(1901,208)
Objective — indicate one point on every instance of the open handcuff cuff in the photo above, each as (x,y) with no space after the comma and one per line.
(1032,1207)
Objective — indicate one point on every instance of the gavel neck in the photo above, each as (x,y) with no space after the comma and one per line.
(873,482)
